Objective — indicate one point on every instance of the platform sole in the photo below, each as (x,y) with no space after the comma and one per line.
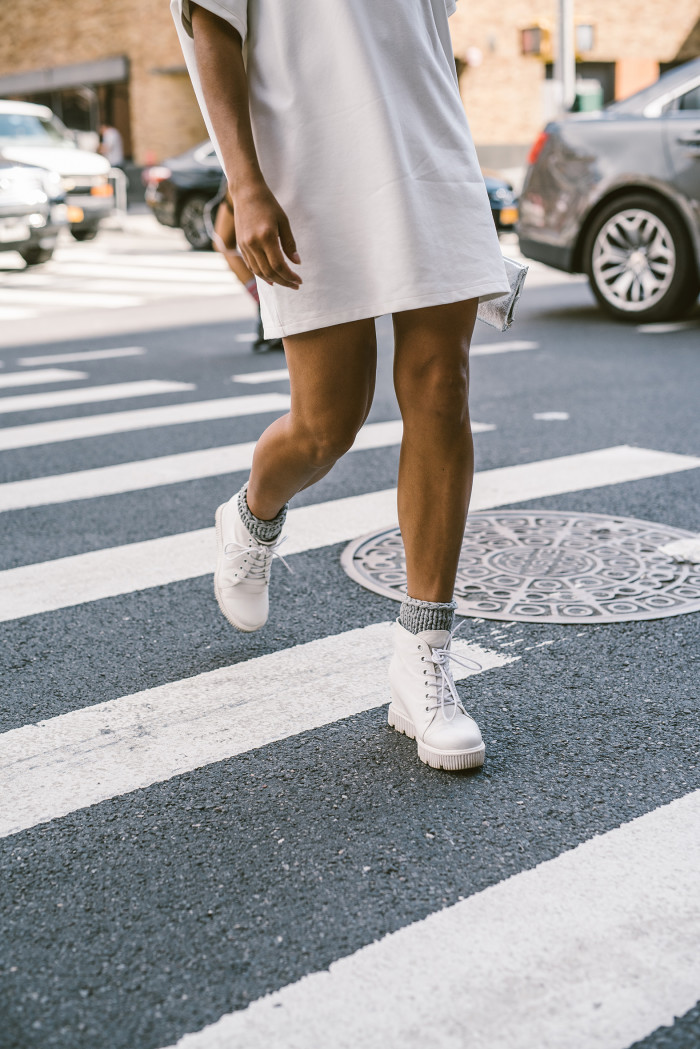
(451,760)
(245,628)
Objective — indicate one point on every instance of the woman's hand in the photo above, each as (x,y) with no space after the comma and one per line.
(263,233)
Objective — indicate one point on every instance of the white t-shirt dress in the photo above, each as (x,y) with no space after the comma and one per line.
(362,137)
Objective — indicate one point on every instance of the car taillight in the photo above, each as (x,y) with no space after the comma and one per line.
(155,174)
(537,147)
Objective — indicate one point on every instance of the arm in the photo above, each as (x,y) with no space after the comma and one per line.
(262,228)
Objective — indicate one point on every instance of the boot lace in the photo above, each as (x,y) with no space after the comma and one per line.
(443,681)
(260,557)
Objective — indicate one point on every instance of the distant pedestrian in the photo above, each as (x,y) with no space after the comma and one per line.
(341,125)
(111,145)
(223,235)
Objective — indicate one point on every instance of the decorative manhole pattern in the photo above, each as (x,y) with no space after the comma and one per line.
(547,567)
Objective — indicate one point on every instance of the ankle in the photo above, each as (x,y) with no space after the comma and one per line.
(265,531)
(417,616)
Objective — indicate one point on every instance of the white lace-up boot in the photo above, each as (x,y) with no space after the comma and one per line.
(242,576)
(425,703)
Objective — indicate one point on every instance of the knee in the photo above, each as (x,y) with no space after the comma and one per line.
(326,444)
(439,390)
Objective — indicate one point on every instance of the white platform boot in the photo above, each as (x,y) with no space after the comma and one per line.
(243,564)
(425,703)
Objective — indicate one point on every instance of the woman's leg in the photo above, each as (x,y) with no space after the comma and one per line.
(332,374)
(431,376)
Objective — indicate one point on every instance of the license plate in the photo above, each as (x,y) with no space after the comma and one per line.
(11,230)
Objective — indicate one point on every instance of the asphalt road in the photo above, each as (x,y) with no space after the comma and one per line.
(144,914)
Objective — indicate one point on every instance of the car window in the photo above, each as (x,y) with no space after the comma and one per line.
(33,130)
(690,100)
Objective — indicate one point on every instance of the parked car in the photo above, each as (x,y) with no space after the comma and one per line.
(178,189)
(31,134)
(32,211)
(616,195)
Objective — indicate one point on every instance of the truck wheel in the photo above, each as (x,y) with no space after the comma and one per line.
(34,255)
(640,261)
(84,234)
(192,223)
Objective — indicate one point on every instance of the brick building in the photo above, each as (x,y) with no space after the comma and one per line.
(121,62)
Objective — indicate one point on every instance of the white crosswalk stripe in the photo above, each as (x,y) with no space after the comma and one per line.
(166,469)
(34,434)
(81,355)
(77,759)
(86,276)
(50,585)
(596,948)
(118,391)
(45,376)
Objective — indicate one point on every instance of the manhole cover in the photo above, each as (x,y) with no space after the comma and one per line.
(548,567)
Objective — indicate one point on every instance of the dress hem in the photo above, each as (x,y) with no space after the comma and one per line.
(485,291)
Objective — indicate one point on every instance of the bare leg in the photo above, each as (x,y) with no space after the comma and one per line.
(332,374)
(436,469)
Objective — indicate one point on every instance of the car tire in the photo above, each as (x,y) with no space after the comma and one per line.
(84,234)
(35,255)
(639,260)
(192,222)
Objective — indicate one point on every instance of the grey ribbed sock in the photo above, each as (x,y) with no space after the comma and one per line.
(417,616)
(263,531)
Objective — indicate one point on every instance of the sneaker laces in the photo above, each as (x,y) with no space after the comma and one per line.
(447,694)
(261,554)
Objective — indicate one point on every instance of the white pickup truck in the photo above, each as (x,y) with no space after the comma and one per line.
(31,134)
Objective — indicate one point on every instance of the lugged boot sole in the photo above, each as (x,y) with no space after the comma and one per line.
(451,760)
(219,555)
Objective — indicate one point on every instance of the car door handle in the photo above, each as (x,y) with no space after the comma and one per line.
(690,140)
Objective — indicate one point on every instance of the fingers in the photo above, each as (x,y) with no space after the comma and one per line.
(287,240)
(265,259)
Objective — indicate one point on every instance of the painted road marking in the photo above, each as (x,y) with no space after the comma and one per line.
(487,349)
(280,374)
(86,355)
(595,948)
(182,275)
(666,327)
(46,375)
(99,574)
(274,375)
(78,759)
(89,394)
(9,313)
(166,469)
(140,419)
(551,417)
(38,297)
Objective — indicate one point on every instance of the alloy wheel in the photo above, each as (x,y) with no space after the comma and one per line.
(634,260)
(192,223)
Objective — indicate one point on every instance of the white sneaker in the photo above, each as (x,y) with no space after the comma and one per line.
(242,576)
(425,703)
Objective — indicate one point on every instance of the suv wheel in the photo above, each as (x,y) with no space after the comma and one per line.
(84,233)
(639,260)
(192,223)
(34,255)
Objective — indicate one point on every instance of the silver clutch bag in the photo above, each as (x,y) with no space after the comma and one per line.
(499,313)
